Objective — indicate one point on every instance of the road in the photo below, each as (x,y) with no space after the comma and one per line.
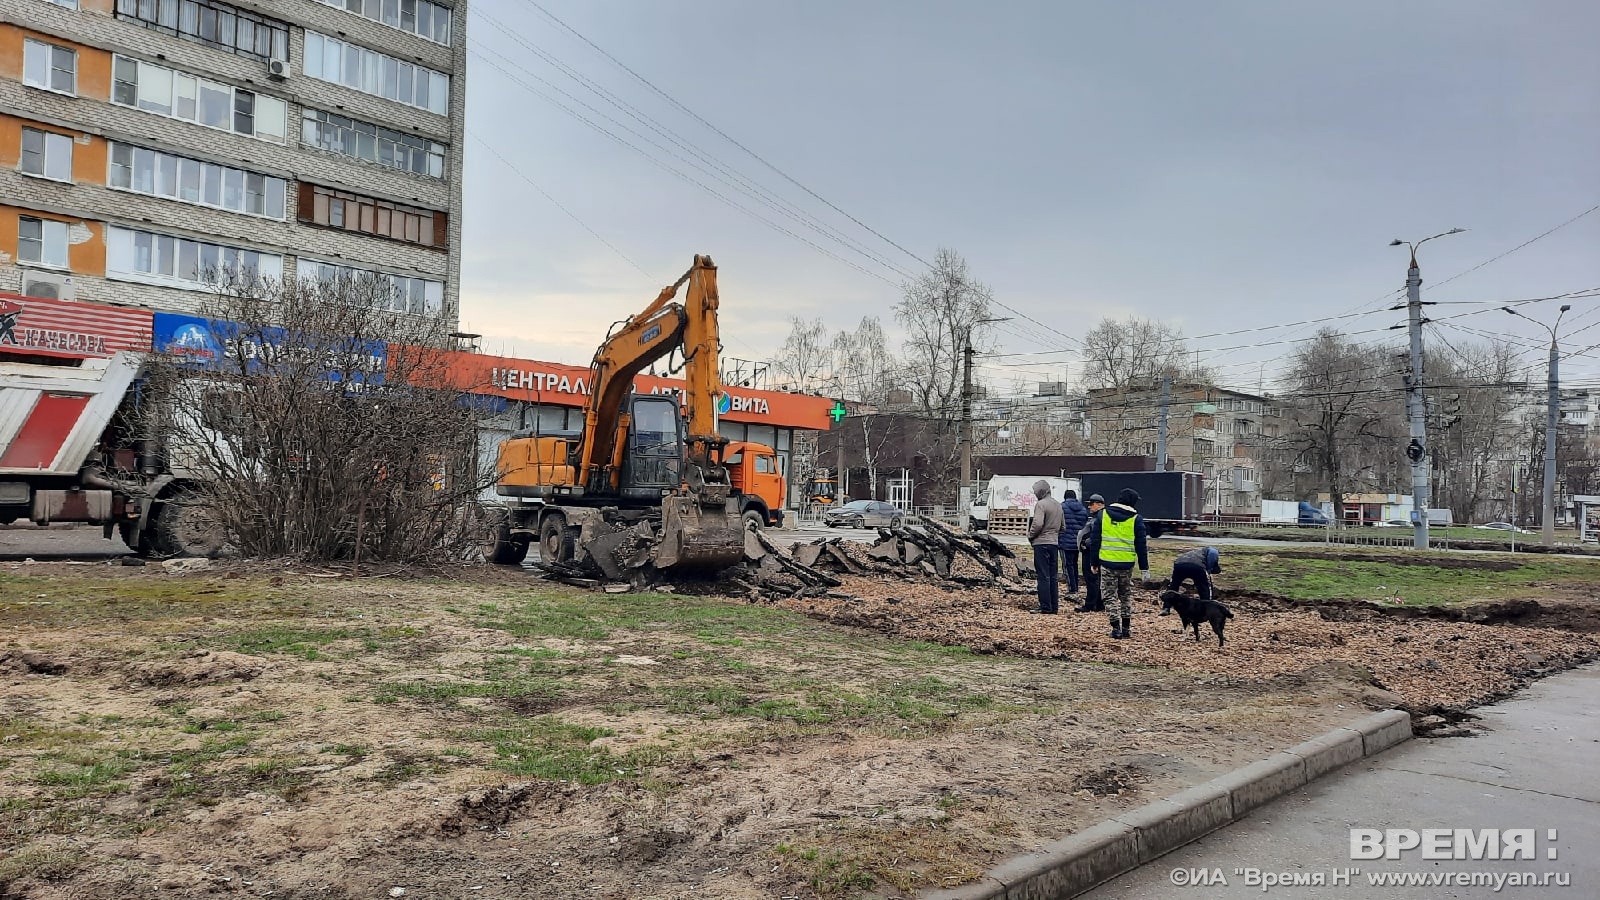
(58,542)
(1533,767)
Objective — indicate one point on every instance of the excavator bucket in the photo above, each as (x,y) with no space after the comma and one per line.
(699,538)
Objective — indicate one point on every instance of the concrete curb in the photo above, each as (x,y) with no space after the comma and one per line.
(1128,840)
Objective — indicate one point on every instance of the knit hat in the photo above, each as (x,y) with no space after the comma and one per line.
(1129,497)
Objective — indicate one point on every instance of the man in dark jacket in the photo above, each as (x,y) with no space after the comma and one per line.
(1117,536)
(1091,576)
(1198,565)
(1074,516)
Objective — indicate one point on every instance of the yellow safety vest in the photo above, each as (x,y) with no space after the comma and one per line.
(1116,539)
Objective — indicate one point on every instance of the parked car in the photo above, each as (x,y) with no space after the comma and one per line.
(1393,523)
(863,514)
(1501,526)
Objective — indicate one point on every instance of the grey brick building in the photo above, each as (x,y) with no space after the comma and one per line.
(145,142)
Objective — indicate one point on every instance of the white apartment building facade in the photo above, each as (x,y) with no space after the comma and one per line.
(147,143)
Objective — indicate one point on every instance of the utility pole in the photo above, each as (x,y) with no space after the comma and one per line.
(1161,433)
(1417,450)
(1552,415)
(1552,423)
(964,490)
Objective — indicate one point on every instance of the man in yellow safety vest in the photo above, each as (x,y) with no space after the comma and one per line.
(1116,540)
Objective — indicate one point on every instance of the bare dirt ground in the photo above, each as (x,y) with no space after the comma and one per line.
(256,731)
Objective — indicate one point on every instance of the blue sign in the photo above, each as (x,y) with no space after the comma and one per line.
(211,344)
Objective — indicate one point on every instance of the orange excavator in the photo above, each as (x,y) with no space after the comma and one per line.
(643,485)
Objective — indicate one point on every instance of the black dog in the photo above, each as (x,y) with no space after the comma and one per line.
(1193,612)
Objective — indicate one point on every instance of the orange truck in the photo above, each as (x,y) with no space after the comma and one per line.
(753,469)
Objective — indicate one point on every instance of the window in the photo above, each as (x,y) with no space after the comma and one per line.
(331,59)
(192,181)
(373,143)
(420,17)
(418,296)
(180,262)
(50,67)
(47,154)
(352,212)
(42,241)
(213,23)
(178,95)
(764,465)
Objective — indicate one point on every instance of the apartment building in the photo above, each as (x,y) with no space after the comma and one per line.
(147,143)
(1219,432)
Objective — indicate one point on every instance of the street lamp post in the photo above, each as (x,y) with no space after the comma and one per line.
(1551,423)
(1417,450)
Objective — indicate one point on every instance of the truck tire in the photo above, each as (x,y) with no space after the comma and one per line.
(500,546)
(557,543)
(1152,530)
(182,525)
(754,518)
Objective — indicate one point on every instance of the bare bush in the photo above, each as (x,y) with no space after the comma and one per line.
(318,424)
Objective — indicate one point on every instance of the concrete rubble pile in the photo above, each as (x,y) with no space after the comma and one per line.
(928,551)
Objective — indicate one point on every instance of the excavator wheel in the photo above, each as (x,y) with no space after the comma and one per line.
(557,542)
(500,546)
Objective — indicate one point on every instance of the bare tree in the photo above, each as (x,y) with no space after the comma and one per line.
(320,424)
(940,310)
(803,362)
(1123,354)
(1472,422)
(1342,406)
(864,369)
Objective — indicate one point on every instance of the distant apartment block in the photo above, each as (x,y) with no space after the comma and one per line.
(147,143)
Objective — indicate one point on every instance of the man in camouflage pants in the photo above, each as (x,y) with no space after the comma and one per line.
(1116,539)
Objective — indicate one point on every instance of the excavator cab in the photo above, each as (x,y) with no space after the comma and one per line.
(653,465)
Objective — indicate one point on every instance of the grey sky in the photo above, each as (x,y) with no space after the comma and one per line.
(1225,165)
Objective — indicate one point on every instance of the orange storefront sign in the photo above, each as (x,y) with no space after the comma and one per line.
(560,385)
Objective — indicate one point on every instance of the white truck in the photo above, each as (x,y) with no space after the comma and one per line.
(1010,499)
(68,453)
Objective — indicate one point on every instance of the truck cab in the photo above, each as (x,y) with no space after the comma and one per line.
(753,471)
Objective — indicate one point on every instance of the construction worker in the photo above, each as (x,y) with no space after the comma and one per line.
(1117,537)
(1091,576)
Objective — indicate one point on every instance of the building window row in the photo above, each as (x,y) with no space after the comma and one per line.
(50,67)
(178,95)
(340,209)
(429,20)
(373,143)
(213,23)
(42,242)
(417,296)
(160,174)
(181,262)
(331,59)
(46,154)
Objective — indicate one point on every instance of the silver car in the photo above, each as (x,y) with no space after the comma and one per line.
(864,514)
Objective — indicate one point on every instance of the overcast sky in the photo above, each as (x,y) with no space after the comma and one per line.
(1223,165)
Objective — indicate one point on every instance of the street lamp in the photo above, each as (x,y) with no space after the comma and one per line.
(1552,412)
(1417,450)
(964,490)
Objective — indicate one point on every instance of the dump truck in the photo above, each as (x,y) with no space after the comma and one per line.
(69,453)
(645,484)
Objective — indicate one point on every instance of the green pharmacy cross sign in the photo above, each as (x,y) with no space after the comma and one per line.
(838,412)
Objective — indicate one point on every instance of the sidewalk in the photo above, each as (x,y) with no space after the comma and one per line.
(1536,766)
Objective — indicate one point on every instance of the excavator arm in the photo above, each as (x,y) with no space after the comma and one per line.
(660,328)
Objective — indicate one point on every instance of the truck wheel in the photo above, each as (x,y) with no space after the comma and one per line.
(754,519)
(182,525)
(500,546)
(1152,531)
(557,544)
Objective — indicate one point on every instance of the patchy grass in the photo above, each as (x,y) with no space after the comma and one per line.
(549,748)
(1417,579)
(44,863)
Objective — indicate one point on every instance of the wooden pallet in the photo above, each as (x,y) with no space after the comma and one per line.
(1008,521)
